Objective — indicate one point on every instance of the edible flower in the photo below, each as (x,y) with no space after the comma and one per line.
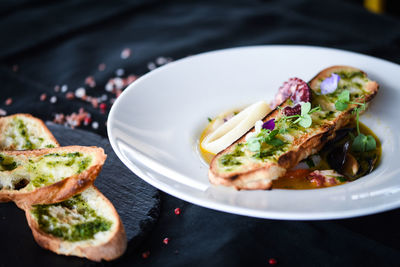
(269,125)
(330,84)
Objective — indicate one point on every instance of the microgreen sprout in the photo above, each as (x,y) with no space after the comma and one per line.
(266,135)
(344,100)
(361,143)
(304,119)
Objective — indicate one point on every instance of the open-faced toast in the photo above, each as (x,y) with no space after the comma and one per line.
(86,225)
(242,168)
(24,132)
(48,175)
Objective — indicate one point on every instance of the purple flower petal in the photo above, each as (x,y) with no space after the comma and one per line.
(330,84)
(269,125)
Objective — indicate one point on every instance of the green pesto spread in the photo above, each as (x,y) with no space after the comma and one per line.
(7,163)
(23,131)
(46,169)
(241,155)
(71,220)
(22,138)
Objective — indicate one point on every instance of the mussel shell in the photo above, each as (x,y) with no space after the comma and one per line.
(339,135)
(367,165)
(337,157)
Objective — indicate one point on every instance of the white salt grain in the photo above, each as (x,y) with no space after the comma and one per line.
(120,72)
(161,60)
(119,83)
(104,97)
(151,66)
(95,125)
(125,53)
(109,87)
(64,88)
(80,92)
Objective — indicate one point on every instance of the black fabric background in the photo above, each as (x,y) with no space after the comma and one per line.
(63,42)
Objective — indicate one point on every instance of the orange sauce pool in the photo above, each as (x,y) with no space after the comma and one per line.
(296,179)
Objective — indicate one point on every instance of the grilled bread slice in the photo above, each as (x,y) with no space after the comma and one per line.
(24,132)
(86,225)
(48,175)
(239,167)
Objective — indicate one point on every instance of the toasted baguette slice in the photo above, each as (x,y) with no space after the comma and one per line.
(108,244)
(86,225)
(48,175)
(237,166)
(24,132)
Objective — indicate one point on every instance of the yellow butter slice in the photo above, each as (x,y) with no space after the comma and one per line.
(234,128)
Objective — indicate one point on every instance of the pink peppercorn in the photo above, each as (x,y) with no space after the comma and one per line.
(166,240)
(103,106)
(177,211)
(90,81)
(8,101)
(102,67)
(145,254)
(272,261)
(87,120)
(118,92)
(70,95)
(43,97)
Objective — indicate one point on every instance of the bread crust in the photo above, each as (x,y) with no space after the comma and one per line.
(109,250)
(261,174)
(112,248)
(4,124)
(60,190)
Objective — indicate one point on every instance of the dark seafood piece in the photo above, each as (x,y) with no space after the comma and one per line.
(367,165)
(339,136)
(290,111)
(296,89)
(301,93)
(337,158)
(351,165)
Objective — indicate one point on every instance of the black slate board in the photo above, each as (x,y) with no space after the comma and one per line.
(136,201)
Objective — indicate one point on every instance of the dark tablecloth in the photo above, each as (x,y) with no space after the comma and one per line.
(45,44)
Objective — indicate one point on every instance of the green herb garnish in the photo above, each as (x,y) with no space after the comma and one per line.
(265,136)
(361,143)
(304,119)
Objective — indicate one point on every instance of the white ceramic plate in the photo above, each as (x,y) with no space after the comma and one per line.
(154,128)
